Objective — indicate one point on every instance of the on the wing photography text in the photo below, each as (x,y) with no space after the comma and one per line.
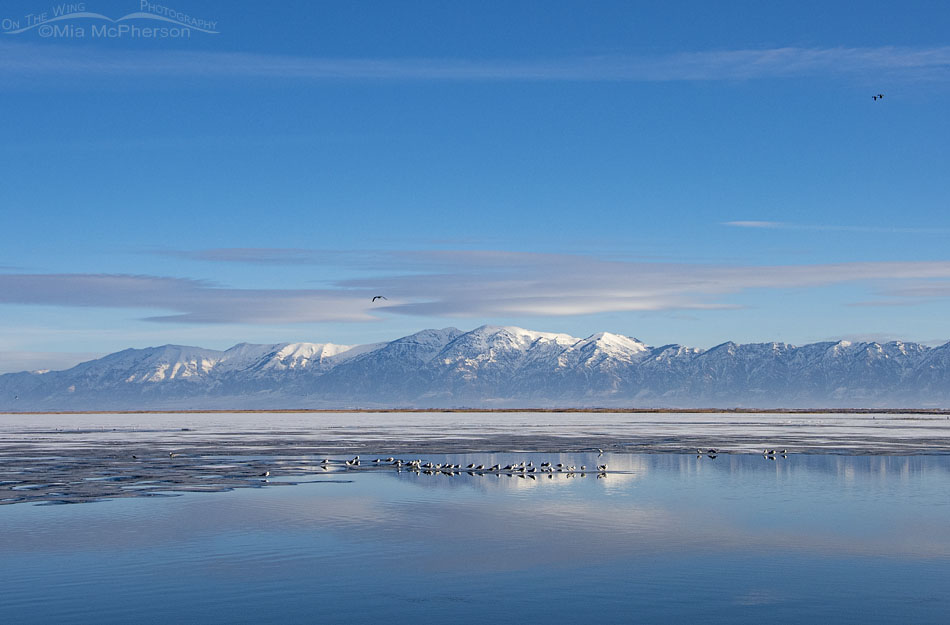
(76,21)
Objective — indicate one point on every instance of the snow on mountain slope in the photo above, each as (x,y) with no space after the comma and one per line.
(396,370)
(152,364)
(600,348)
(501,348)
(300,356)
(495,365)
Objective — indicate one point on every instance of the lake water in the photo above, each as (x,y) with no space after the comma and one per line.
(660,538)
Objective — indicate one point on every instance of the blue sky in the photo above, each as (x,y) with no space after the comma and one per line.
(688,172)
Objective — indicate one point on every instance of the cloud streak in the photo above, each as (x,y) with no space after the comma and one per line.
(509,283)
(267,256)
(784,225)
(185,301)
(31,60)
(467,284)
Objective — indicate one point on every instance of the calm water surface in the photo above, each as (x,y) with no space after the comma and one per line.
(661,538)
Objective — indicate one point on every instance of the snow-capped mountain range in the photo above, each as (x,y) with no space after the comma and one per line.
(494,366)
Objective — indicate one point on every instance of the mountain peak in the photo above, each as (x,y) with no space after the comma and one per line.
(523,335)
(608,338)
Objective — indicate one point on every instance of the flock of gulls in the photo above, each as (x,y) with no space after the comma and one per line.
(521,469)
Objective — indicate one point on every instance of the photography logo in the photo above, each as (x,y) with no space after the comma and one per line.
(76,21)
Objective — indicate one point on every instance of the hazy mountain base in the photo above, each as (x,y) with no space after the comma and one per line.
(276,400)
(495,367)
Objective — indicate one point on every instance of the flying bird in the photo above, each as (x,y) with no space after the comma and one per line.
(378,297)
(879,96)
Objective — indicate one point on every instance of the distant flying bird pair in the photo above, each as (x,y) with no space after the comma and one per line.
(879,96)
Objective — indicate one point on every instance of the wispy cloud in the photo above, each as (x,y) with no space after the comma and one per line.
(784,225)
(918,288)
(757,224)
(187,301)
(263,255)
(32,59)
(887,303)
(474,283)
(469,284)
